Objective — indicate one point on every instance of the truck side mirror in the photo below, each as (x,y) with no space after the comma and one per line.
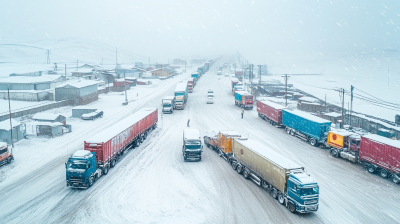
(65,165)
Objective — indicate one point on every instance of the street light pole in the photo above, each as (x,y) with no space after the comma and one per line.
(9,109)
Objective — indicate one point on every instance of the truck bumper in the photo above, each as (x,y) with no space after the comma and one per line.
(307,208)
(77,185)
(193,157)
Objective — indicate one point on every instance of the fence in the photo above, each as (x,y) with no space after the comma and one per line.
(35,109)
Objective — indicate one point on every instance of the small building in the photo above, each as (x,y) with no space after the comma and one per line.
(26,95)
(120,85)
(5,131)
(51,129)
(131,81)
(332,116)
(160,72)
(31,82)
(48,117)
(82,91)
(78,111)
(83,72)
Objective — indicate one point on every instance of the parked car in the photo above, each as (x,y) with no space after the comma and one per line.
(210,100)
(93,115)
(210,91)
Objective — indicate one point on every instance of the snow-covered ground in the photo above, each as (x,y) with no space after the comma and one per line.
(152,183)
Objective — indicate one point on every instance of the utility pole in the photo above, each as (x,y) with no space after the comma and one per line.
(9,109)
(48,56)
(259,80)
(351,107)
(286,78)
(126,96)
(342,108)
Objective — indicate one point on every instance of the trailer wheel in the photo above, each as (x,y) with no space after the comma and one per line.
(9,160)
(292,132)
(274,194)
(239,168)
(395,179)
(335,153)
(291,207)
(234,165)
(313,142)
(281,199)
(383,173)
(288,130)
(112,163)
(246,174)
(264,184)
(105,170)
(371,169)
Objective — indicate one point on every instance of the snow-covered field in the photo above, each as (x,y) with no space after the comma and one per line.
(152,183)
(376,73)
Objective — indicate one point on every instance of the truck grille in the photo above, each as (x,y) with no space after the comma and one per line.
(311,208)
(76,180)
(310,202)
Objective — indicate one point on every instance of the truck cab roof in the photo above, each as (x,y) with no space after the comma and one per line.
(302,178)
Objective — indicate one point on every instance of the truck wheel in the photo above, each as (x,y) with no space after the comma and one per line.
(335,153)
(288,130)
(292,132)
(246,174)
(239,169)
(395,179)
(313,142)
(234,165)
(291,207)
(264,184)
(274,194)
(112,163)
(383,173)
(281,199)
(105,170)
(9,160)
(371,169)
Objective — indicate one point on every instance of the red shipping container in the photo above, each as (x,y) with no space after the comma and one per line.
(116,138)
(381,151)
(271,110)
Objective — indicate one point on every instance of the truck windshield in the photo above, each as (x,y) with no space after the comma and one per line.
(81,166)
(167,105)
(309,191)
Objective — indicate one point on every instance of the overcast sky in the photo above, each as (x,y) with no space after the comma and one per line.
(178,28)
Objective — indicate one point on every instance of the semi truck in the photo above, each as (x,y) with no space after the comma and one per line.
(376,153)
(5,155)
(234,81)
(243,99)
(181,94)
(102,151)
(196,77)
(305,126)
(270,111)
(200,70)
(190,87)
(192,147)
(168,103)
(285,180)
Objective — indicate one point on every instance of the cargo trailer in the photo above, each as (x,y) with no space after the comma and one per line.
(305,126)
(270,111)
(181,95)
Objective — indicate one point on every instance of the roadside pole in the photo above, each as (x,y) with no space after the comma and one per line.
(11,127)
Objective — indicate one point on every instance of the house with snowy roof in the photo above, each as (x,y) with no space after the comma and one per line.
(82,91)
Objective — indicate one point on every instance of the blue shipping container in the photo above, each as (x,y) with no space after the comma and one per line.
(306,123)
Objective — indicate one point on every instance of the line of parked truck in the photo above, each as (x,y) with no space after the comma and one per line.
(376,153)
(285,180)
(179,100)
(243,99)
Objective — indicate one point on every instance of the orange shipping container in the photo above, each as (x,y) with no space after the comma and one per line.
(225,140)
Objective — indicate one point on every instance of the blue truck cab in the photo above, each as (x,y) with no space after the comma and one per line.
(81,169)
(302,193)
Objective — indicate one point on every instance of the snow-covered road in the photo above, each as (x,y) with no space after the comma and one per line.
(152,183)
